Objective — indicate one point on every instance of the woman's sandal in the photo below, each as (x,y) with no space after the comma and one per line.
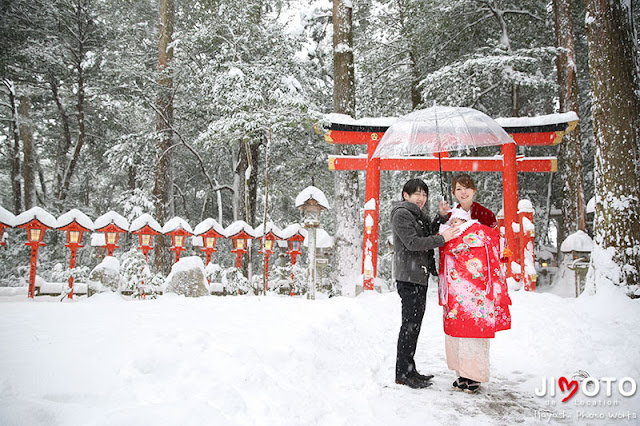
(471,386)
(460,384)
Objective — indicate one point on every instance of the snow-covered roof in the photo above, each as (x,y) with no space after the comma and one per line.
(292,230)
(365,121)
(75,215)
(7,217)
(109,218)
(44,217)
(578,241)
(323,239)
(591,205)
(312,193)
(176,223)
(261,230)
(237,227)
(542,120)
(145,219)
(208,224)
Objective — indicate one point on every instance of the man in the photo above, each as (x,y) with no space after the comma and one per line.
(413,244)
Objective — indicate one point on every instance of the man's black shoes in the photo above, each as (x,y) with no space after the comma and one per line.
(416,381)
(423,377)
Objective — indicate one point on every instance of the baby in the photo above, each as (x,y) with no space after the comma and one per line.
(460,218)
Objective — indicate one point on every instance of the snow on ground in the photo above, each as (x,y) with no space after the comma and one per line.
(271,360)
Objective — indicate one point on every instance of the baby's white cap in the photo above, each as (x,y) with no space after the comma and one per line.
(459,214)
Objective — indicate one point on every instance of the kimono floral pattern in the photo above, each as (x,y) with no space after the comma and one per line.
(472,289)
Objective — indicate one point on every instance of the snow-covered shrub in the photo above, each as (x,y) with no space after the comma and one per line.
(60,273)
(214,274)
(235,282)
(137,278)
(283,283)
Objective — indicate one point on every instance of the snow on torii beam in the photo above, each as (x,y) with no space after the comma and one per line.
(537,131)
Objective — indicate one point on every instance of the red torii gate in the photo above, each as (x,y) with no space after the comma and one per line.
(535,131)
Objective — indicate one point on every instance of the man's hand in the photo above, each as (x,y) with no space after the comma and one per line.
(451,233)
(444,208)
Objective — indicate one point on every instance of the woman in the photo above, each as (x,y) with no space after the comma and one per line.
(464,189)
(474,297)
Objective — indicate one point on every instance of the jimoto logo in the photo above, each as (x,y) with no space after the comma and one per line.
(589,386)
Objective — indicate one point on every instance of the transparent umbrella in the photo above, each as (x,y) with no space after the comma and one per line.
(440,129)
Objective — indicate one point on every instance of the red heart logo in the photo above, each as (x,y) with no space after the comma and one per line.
(572,387)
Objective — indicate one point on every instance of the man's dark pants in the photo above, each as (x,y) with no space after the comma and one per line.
(414,300)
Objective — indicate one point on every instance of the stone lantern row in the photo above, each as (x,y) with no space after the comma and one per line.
(108,227)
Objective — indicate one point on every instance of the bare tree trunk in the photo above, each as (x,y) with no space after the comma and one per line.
(570,150)
(416,93)
(615,87)
(347,233)
(163,188)
(65,144)
(28,152)
(14,150)
(68,174)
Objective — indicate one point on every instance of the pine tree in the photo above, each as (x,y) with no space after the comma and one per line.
(163,189)
(570,151)
(347,234)
(615,83)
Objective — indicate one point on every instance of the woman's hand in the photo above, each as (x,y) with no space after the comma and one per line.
(443,208)
(451,233)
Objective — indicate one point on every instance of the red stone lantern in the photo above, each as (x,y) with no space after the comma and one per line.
(239,232)
(7,219)
(145,227)
(75,223)
(293,235)
(210,231)
(179,230)
(35,221)
(111,224)
(268,235)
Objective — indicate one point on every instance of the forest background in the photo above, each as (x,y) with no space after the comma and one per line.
(151,106)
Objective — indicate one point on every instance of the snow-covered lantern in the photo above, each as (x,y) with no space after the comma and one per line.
(294,236)
(576,249)
(179,230)
(7,219)
(35,221)
(239,232)
(210,230)
(145,227)
(111,224)
(311,201)
(268,235)
(75,223)
(577,245)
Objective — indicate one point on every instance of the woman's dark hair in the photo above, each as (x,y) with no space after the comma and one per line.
(413,185)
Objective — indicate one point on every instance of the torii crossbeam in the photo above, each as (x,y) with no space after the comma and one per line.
(530,131)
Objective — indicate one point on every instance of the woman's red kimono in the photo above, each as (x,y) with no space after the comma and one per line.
(472,287)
